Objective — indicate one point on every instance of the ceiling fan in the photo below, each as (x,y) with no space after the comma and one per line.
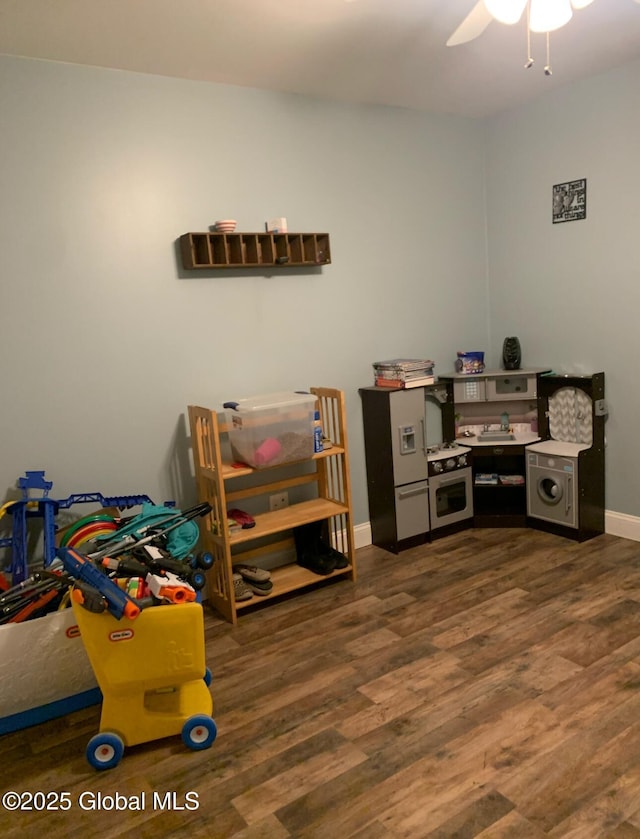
(543,16)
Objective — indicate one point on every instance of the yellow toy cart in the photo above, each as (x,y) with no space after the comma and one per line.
(153,678)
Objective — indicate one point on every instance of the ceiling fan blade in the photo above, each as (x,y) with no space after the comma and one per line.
(473,25)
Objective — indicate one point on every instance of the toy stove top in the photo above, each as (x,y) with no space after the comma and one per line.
(446,449)
(447,456)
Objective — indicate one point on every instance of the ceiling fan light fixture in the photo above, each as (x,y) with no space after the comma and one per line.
(548,15)
(506,11)
(581,4)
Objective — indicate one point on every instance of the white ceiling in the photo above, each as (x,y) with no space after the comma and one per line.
(389,52)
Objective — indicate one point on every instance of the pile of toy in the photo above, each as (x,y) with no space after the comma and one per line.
(126,563)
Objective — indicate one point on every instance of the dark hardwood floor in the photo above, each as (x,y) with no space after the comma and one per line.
(486,685)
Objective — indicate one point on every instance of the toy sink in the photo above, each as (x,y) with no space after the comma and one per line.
(495,436)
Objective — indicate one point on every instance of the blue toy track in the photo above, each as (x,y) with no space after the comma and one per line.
(46,509)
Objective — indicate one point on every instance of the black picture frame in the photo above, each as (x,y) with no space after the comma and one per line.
(569,201)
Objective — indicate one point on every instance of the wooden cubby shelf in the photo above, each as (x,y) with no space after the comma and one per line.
(290,578)
(325,476)
(269,523)
(246,250)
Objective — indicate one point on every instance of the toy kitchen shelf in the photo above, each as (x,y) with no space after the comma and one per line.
(215,477)
(246,250)
(499,501)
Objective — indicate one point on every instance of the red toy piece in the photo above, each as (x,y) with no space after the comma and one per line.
(243,519)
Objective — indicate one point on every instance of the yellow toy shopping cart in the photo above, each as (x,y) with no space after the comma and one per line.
(153,678)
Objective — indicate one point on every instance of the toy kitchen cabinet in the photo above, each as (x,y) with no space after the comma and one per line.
(418,475)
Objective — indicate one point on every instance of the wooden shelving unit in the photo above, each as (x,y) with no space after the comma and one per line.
(246,250)
(329,479)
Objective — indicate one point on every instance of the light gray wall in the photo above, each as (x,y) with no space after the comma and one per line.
(105,341)
(571,291)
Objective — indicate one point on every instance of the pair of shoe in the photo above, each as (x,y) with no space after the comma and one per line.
(314,553)
(249,580)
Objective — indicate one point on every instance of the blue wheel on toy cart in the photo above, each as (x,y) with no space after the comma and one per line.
(199,732)
(203,560)
(198,580)
(105,750)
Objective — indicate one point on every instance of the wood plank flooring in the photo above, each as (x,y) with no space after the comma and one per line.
(486,686)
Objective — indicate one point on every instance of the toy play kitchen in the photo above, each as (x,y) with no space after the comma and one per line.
(485,448)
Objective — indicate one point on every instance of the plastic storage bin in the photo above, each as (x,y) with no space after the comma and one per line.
(44,670)
(272,429)
(153,678)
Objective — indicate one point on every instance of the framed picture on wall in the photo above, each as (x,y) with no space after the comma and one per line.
(570,201)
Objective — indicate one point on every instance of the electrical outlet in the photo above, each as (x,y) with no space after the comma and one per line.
(278,501)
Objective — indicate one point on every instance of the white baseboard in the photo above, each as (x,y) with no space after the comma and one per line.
(616,524)
(362,535)
(620,524)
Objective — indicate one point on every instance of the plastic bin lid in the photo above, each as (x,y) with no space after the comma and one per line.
(283,399)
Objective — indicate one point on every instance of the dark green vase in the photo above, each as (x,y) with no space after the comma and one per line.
(511,354)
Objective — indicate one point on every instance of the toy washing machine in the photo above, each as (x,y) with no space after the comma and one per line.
(551,488)
(565,470)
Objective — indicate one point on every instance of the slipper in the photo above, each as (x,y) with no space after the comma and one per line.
(261,589)
(241,591)
(252,574)
(242,518)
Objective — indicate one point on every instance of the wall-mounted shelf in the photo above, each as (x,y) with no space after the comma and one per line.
(244,250)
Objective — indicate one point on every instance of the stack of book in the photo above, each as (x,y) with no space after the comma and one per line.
(511,480)
(404,372)
(489,478)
